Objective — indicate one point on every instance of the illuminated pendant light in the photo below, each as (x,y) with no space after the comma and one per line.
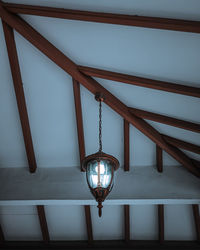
(100,167)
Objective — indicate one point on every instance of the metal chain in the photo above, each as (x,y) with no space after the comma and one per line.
(100,126)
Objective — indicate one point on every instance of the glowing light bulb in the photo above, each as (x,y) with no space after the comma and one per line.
(102,168)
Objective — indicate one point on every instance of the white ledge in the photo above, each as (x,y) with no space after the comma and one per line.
(67,185)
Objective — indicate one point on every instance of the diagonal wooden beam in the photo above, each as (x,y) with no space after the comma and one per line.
(126,146)
(159,159)
(79,120)
(88,223)
(196,216)
(161,223)
(182,144)
(127,222)
(93,86)
(19,92)
(130,20)
(141,82)
(43,223)
(195,127)
(2,238)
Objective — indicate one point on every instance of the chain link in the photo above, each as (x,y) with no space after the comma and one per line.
(100,126)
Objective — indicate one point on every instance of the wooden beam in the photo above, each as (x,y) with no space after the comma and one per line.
(79,121)
(102,244)
(194,127)
(93,86)
(19,92)
(130,20)
(2,238)
(159,159)
(43,223)
(161,223)
(195,209)
(127,222)
(141,82)
(126,146)
(182,144)
(88,223)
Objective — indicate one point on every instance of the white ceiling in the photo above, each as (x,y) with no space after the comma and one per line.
(157,54)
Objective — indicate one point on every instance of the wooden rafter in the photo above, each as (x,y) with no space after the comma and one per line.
(20,97)
(127,222)
(126,146)
(161,223)
(182,144)
(195,127)
(88,223)
(79,120)
(2,238)
(159,159)
(43,223)
(93,86)
(196,216)
(141,82)
(130,20)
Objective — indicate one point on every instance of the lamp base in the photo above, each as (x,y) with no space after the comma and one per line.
(100,206)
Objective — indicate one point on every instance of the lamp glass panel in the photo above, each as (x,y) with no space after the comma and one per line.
(105,175)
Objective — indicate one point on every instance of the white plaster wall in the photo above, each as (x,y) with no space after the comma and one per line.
(110,225)
(68,222)
(20,223)
(144,223)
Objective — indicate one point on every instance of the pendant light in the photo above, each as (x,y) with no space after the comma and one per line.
(100,167)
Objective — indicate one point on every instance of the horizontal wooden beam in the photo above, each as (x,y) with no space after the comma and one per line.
(20,97)
(194,127)
(195,208)
(93,86)
(159,159)
(141,82)
(130,20)
(104,244)
(182,144)
(126,146)
(79,121)
(88,223)
(161,223)
(43,223)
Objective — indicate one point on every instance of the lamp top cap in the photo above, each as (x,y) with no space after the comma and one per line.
(100,156)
